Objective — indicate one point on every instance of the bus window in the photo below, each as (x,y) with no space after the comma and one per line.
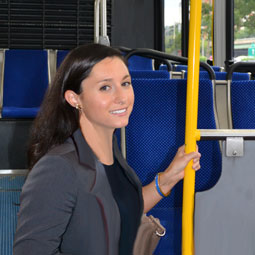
(206,31)
(173,27)
(244,30)
(173,22)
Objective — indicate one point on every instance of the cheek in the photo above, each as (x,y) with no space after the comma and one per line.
(95,103)
(132,98)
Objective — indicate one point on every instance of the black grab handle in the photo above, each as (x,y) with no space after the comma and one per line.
(241,67)
(162,55)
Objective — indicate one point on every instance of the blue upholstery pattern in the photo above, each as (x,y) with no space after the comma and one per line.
(139,63)
(240,76)
(61,54)
(150,74)
(181,68)
(185,68)
(154,133)
(25,82)
(235,77)
(163,67)
(222,76)
(216,68)
(243,104)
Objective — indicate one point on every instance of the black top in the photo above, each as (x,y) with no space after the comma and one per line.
(126,197)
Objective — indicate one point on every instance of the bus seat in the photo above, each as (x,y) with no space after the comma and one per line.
(185,68)
(217,68)
(154,133)
(162,67)
(181,68)
(242,104)
(223,218)
(9,201)
(158,74)
(61,54)
(139,63)
(25,80)
(13,164)
(222,76)
(14,134)
(236,76)
(240,76)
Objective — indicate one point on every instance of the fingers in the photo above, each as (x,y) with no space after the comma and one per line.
(196,165)
(193,155)
(187,157)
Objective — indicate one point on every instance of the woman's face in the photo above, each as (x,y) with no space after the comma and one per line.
(107,96)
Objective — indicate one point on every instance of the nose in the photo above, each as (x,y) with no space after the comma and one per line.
(120,96)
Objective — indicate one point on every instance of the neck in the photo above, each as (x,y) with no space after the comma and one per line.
(100,141)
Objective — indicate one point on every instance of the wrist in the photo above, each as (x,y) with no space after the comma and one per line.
(162,189)
(165,181)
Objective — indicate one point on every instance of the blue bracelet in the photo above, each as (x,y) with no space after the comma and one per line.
(157,186)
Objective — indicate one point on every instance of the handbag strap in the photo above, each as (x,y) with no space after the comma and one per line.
(161,231)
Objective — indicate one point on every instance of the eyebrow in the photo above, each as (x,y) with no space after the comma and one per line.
(126,76)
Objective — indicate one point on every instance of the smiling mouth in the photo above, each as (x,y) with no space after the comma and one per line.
(119,111)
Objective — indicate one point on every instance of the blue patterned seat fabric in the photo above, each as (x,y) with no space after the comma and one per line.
(223,76)
(153,135)
(185,68)
(61,54)
(243,104)
(25,82)
(159,74)
(139,63)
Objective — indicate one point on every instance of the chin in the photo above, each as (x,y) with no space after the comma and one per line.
(122,124)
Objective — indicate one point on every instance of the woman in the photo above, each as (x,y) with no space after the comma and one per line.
(81,197)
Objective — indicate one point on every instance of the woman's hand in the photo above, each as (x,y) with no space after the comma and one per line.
(175,171)
(168,178)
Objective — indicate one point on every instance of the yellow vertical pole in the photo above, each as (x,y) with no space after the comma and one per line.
(191,132)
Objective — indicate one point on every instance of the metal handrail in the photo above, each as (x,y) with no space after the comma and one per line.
(240,66)
(222,134)
(100,14)
(96,20)
(149,52)
(103,18)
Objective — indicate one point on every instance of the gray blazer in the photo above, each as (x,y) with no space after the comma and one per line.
(67,206)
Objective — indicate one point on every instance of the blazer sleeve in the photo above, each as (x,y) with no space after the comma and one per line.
(47,201)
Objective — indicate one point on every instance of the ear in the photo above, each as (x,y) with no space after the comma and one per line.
(72,98)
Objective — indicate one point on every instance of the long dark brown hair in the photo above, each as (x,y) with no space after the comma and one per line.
(57,120)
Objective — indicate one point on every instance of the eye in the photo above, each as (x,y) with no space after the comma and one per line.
(126,83)
(105,88)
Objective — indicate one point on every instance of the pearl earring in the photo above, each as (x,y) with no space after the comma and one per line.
(78,107)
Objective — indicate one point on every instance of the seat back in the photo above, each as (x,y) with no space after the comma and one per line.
(185,68)
(242,104)
(222,76)
(235,77)
(14,135)
(159,74)
(154,133)
(25,81)
(13,162)
(61,54)
(9,207)
(139,63)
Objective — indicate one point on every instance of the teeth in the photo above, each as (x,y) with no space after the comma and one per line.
(118,111)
